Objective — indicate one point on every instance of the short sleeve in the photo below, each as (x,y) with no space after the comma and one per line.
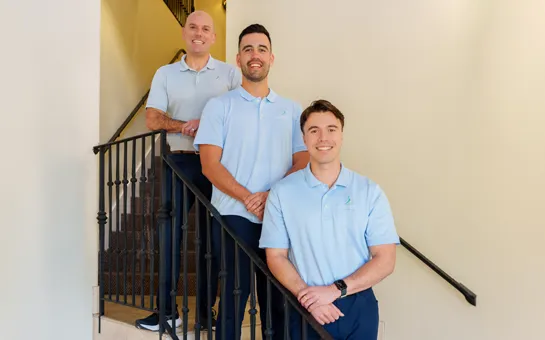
(273,232)
(380,226)
(297,138)
(158,96)
(236,78)
(211,125)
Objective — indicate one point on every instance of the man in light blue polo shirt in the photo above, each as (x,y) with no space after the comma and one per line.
(177,97)
(329,234)
(249,138)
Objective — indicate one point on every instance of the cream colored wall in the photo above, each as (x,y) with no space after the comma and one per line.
(50,106)
(444,108)
(137,37)
(215,9)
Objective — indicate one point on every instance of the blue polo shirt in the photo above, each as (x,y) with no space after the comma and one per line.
(182,92)
(258,136)
(328,231)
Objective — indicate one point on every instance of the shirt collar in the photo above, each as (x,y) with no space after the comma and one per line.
(211,64)
(271,97)
(342,180)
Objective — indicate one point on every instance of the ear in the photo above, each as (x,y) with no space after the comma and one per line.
(213,38)
(272,59)
(238,60)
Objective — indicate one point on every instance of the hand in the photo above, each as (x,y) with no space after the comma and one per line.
(190,128)
(326,314)
(313,297)
(255,203)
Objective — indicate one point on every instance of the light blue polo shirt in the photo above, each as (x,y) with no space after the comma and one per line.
(328,231)
(182,92)
(258,136)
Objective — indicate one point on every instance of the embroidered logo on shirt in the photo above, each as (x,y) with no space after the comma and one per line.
(348,201)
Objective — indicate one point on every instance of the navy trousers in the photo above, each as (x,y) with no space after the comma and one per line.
(360,320)
(191,166)
(250,233)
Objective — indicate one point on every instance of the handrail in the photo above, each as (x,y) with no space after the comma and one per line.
(139,105)
(251,254)
(468,294)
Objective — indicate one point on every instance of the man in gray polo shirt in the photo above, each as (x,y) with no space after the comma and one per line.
(177,97)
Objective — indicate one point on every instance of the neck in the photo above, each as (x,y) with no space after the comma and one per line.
(326,173)
(258,90)
(197,61)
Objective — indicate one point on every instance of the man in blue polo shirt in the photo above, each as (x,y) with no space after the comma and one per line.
(249,138)
(177,97)
(329,234)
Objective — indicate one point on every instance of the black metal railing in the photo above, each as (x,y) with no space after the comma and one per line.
(128,243)
(181,9)
(470,296)
(132,261)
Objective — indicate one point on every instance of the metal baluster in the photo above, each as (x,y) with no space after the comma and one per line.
(286,318)
(197,265)
(174,230)
(223,283)
(253,310)
(101,217)
(117,222)
(164,216)
(153,226)
(133,217)
(209,272)
(268,331)
(185,226)
(237,292)
(143,226)
(125,194)
(110,249)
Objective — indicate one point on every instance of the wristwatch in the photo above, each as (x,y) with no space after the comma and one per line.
(341,285)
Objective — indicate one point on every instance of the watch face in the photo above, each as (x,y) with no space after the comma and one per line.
(340,284)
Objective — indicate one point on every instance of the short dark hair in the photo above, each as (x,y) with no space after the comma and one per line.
(321,105)
(254,28)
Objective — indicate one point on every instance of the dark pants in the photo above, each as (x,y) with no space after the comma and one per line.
(250,233)
(191,166)
(360,320)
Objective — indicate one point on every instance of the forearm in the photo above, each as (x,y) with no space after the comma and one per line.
(222,179)
(285,272)
(300,162)
(157,120)
(369,274)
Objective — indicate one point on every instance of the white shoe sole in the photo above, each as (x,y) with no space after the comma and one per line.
(155,328)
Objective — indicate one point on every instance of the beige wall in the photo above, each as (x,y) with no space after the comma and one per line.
(137,37)
(215,9)
(444,107)
(50,105)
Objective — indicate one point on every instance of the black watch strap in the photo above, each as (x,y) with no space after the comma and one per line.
(341,285)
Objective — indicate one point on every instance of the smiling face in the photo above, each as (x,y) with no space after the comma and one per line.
(255,57)
(323,137)
(198,33)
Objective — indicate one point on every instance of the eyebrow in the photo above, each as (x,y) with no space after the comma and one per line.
(329,126)
(246,46)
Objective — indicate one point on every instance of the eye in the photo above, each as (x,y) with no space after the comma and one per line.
(262,50)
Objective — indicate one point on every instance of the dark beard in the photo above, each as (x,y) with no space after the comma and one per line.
(255,79)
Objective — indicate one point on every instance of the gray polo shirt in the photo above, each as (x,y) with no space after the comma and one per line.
(182,92)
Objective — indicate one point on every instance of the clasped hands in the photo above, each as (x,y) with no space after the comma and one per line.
(255,203)
(190,127)
(318,300)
